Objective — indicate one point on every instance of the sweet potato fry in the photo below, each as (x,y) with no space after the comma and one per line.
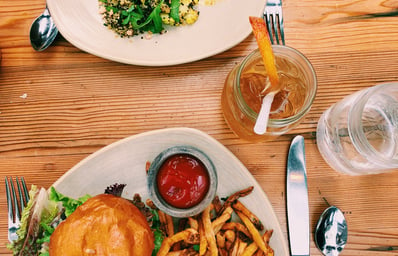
(190,236)
(238,206)
(264,45)
(254,232)
(210,236)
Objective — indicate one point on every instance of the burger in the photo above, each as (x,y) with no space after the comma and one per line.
(103,225)
(106,224)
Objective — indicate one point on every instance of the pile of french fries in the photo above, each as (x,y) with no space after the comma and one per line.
(213,232)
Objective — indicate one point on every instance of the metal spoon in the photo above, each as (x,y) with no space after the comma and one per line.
(331,232)
(43,31)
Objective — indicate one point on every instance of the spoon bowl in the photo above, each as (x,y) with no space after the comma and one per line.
(331,232)
(43,31)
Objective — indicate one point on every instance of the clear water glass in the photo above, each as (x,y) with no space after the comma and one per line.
(359,134)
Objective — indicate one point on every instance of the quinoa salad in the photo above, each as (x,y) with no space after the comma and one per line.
(133,17)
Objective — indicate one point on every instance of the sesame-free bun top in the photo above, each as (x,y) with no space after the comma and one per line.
(103,225)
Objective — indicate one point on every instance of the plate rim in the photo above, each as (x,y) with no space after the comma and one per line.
(66,33)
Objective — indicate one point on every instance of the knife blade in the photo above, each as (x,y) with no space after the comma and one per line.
(297,199)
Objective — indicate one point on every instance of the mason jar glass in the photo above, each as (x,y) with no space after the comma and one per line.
(359,134)
(299,83)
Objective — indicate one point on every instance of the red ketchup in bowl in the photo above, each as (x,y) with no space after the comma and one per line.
(182,181)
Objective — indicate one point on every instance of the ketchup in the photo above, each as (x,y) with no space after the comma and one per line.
(182,181)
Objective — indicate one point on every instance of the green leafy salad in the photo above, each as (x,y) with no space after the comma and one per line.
(133,17)
(47,209)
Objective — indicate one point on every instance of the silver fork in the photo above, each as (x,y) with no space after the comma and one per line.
(274,19)
(15,204)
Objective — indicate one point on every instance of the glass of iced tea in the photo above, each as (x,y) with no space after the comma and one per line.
(244,91)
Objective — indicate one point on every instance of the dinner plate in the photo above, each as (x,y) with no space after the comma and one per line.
(124,162)
(219,27)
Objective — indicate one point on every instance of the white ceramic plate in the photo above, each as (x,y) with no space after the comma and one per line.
(124,162)
(218,28)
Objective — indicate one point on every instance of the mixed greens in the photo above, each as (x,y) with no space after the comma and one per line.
(47,209)
(132,17)
(44,211)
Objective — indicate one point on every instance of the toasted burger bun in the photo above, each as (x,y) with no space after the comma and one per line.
(103,225)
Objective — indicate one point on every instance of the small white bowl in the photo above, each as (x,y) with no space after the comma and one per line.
(152,184)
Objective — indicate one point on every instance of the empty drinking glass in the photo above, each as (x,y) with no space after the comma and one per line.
(359,135)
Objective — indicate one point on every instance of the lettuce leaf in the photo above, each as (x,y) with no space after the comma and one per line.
(68,203)
(42,214)
(38,210)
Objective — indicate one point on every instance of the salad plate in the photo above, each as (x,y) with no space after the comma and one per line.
(125,162)
(219,27)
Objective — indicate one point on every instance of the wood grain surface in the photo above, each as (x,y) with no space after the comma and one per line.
(59,106)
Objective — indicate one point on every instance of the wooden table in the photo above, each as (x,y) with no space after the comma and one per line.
(59,106)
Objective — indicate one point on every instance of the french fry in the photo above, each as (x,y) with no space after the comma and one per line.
(147,166)
(267,235)
(235,196)
(215,232)
(222,252)
(228,245)
(166,223)
(238,206)
(184,252)
(210,236)
(193,223)
(221,220)
(190,236)
(217,204)
(254,232)
(259,253)
(233,251)
(220,239)
(237,227)
(150,204)
(242,247)
(182,224)
(250,250)
(230,235)
(203,239)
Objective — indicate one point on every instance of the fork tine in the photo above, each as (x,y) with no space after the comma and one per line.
(15,201)
(281,30)
(9,200)
(22,193)
(275,23)
(26,191)
(268,21)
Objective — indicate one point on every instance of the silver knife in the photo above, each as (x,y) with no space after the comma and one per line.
(297,199)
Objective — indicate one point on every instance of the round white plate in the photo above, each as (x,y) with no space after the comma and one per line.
(218,28)
(124,162)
